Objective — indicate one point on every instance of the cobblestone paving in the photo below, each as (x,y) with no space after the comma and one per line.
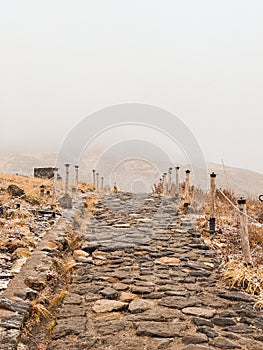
(151,283)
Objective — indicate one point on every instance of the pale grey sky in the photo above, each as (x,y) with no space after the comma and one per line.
(201,60)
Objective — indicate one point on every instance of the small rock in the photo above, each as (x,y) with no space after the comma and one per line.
(200,312)
(202,322)
(141,289)
(120,286)
(80,253)
(127,296)
(105,305)
(140,305)
(109,293)
(210,333)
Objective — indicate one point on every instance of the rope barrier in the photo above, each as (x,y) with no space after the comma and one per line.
(235,207)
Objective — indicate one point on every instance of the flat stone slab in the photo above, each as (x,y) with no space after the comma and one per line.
(177,302)
(160,329)
(105,305)
(140,305)
(195,339)
(69,326)
(224,343)
(200,312)
(237,296)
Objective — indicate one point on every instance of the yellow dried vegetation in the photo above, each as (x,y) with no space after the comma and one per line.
(90,202)
(39,310)
(58,299)
(247,278)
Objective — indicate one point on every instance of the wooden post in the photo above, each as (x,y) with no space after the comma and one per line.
(97,182)
(42,190)
(177,188)
(76,176)
(187,189)
(169,185)
(244,231)
(67,178)
(212,220)
(164,183)
(94,181)
(55,179)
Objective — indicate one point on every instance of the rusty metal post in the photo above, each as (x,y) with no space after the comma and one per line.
(93,177)
(67,165)
(187,189)
(97,182)
(212,220)
(177,188)
(76,176)
(244,231)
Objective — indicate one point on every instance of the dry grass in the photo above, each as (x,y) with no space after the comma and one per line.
(58,299)
(248,278)
(90,202)
(228,244)
(38,310)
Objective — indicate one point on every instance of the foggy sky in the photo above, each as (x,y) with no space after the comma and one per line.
(201,60)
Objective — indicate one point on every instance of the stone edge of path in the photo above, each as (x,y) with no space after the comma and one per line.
(13,308)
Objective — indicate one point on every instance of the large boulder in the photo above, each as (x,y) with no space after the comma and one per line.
(15,191)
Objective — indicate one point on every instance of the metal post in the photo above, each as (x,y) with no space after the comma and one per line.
(76,176)
(244,231)
(102,180)
(212,220)
(97,182)
(94,181)
(67,178)
(55,179)
(177,189)
(187,189)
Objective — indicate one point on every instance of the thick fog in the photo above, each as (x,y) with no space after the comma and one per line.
(200,60)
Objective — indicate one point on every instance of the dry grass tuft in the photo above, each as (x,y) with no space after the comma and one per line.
(58,299)
(248,278)
(38,310)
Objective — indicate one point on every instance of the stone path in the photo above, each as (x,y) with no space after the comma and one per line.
(151,283)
